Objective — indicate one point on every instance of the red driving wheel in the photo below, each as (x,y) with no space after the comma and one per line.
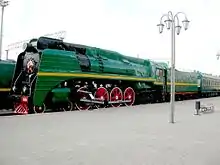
(80,105)
(129,95)
(116,95)
(102,95)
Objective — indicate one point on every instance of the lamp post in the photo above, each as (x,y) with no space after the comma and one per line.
(3,4)
(172,22)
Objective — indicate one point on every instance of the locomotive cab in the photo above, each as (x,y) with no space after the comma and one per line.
(24,78)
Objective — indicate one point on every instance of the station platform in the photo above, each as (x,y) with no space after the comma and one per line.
(4,112)
(138,135)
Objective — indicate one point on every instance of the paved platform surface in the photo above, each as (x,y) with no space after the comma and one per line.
(139,135)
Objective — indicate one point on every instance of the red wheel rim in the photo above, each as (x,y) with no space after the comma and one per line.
(102,95)
(116,95)
(82,105)
(129,94)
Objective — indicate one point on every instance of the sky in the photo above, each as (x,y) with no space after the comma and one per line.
(125,26)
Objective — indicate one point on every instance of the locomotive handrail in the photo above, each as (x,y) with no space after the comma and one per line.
(33,80)
(17,79)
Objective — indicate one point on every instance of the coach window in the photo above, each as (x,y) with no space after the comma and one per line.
(190,77)
(205,82)
(159,72)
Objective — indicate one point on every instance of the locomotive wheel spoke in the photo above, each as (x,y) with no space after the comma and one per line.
(101,94)
(129,94)
(116,95)
(39,109)
(80,105)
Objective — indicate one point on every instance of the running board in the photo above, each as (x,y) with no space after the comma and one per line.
(102,102)
(119,101)
(92,101)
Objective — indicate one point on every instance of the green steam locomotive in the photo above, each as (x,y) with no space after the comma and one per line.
(52,74)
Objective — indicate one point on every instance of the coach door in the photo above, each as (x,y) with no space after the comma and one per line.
(162,77)
(164,81)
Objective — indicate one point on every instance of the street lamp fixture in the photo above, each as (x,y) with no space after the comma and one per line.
(172,22)
(178,28)
(185,24)
(160,27)
(4,3)
(168,23)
